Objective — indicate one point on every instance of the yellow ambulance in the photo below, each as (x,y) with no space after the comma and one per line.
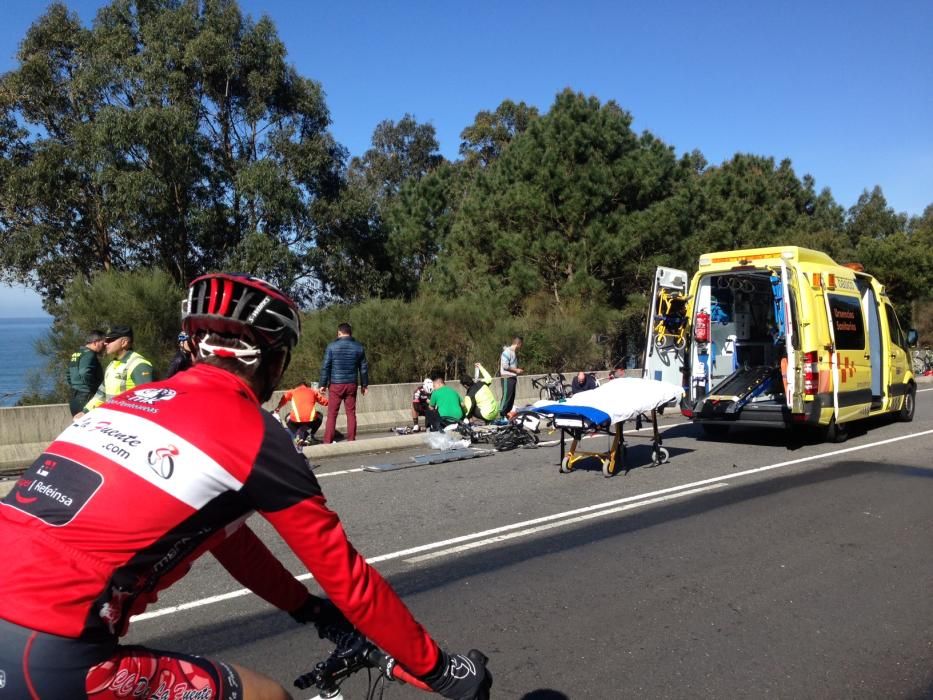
(779,337)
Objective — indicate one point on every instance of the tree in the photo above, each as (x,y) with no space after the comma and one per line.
(491,132)
(558,210)
(168,134)
(749,202)
(354,260)
(147,300)
(871,217)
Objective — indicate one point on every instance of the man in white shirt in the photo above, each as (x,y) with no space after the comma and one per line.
(509,371)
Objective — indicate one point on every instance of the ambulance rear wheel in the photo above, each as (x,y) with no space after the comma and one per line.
(835,432)
(714,429)
(906,414)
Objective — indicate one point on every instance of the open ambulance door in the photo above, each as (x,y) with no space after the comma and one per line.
(667,329)
(792,369)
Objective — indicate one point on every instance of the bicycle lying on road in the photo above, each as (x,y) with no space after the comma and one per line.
(552,387)
(354,653)
(502,437)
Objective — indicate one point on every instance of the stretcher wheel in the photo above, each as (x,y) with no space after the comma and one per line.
(660,455)
(660,340)
(609,467)
(565,466)
(681,342)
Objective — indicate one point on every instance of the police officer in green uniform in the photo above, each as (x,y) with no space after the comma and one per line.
(84,371)
(127,369)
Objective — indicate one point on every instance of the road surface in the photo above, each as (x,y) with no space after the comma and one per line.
(746,567)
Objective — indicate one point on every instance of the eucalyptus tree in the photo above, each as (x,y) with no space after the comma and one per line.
(171,134)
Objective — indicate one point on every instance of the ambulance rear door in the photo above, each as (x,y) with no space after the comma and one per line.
(665,342)
(792,368)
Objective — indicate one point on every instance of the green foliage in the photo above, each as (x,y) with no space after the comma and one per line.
(172,137)
(559,210)
(168,134)
(147,300)
(491,132)
(407,341)
(355,258)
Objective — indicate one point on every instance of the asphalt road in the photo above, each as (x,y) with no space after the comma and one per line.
(745,568)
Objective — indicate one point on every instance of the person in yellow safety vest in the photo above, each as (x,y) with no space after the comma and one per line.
(304,419)
(127,370)
(479,401)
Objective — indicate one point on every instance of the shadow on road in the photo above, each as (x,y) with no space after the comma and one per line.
(208,639)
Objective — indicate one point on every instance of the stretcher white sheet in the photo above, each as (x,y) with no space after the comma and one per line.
(621,399)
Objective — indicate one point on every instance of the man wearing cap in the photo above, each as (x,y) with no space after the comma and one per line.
(184,356)
(84,371)
(126,370)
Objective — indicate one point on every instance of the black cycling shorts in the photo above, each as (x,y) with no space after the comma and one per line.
(41,666)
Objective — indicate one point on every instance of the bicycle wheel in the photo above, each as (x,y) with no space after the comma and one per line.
(544,394)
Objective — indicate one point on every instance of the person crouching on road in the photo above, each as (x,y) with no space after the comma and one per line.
(480,402)
(304,419)
(444,406)
(419,404)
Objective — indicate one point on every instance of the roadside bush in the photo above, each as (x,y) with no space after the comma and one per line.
(147,300)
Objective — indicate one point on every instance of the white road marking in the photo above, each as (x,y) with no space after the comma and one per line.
(489,535)
(559,523)
(920,391)
(345,471)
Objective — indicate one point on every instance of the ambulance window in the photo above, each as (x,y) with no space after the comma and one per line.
(848,324)
(894,328)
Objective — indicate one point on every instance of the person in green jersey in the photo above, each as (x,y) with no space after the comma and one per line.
(444,405)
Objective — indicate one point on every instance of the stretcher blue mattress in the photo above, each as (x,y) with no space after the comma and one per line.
(593,415)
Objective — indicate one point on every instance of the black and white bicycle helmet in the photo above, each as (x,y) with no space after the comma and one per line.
(241,305)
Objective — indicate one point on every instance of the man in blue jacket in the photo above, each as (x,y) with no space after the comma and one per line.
(344,359)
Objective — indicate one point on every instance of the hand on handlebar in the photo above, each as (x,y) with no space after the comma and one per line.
(461,677)
(327,618)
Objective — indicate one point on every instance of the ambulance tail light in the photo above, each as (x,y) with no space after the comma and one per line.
(811,373)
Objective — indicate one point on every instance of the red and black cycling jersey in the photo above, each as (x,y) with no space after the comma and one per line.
(123,501)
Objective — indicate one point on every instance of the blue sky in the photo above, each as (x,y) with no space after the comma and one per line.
(843,89)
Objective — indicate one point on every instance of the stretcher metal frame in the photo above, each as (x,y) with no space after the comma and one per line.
(582,421)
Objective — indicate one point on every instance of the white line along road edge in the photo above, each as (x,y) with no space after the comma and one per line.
(528,526)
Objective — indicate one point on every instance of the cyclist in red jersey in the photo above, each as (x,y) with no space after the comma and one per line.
(126,498)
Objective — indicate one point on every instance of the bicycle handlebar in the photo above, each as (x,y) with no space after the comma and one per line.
(352,653)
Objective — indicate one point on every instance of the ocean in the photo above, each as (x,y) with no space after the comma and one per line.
(18,358)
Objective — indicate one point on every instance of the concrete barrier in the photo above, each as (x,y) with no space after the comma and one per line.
(26,430)
(387,405)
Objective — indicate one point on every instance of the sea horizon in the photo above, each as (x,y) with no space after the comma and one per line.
(19,361)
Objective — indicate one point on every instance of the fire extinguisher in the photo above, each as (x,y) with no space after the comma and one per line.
(701,327)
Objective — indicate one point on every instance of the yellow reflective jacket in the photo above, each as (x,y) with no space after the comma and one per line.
(121,374)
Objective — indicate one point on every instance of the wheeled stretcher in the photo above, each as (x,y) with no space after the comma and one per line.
(605,410)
